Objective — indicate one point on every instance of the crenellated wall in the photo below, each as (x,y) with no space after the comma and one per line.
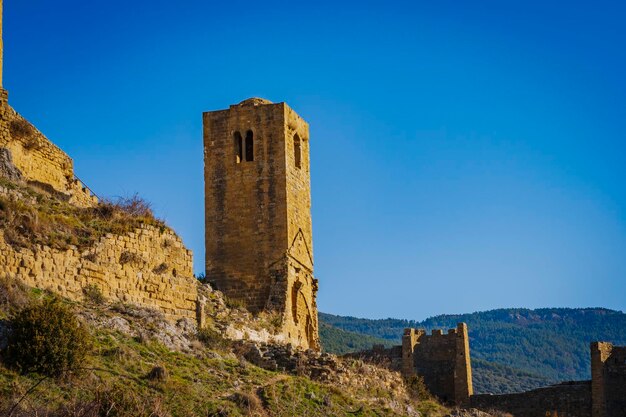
(603,396)
(442,360)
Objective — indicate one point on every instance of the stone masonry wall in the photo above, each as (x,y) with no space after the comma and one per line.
(258,213)
(390,358)
(39,160)
(608,373)
(149,268)
(564,400)
(442,360)
(301,315)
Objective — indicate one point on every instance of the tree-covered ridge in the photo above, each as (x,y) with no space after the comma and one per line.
(549,345)
(339,342)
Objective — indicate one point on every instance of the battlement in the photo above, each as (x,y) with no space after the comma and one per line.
(443,360)
(603,396)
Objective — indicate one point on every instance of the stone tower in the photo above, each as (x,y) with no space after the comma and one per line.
(259,245)
(443,360)
(608,380)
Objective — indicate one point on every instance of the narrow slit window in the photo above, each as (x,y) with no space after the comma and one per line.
(249,146)
(238,147)
(297,151)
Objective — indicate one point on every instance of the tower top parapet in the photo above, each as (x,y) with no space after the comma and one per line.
(253,101)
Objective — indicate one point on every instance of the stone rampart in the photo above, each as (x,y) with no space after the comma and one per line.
(39,161)
(570,399)
(390,358)
(149,267)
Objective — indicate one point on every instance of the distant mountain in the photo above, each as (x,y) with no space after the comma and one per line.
(512,349)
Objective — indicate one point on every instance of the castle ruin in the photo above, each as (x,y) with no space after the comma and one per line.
(603,396)
(259,244)
(442,360)
(259,235)
(160,276)
(258,251)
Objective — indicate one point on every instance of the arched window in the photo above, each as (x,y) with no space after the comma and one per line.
(238,147)
(297,151)
(249,146)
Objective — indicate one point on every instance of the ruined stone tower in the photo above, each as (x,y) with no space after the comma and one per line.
(608,380)
(443,360)
(259,245)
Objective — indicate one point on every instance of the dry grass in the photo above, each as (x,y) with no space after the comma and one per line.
(161,269)
(13,294)
(21,129)
(249,402)
(57,224)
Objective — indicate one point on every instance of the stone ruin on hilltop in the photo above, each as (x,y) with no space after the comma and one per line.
(259,252)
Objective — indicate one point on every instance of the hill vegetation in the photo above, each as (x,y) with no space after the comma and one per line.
(134,363)
(340,341)
(512,349)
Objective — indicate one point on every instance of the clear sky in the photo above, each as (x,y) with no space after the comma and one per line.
(466,155)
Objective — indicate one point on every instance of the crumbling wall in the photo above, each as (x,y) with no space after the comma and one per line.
(571,399)
(39,161)
(149,267)
(390,358)
(603,396)
(443,360)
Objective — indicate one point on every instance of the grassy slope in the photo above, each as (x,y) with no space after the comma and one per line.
(199,383)
(526,348)
(39,218)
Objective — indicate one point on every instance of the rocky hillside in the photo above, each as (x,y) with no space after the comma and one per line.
(129,360)
(512,349)
(140,364)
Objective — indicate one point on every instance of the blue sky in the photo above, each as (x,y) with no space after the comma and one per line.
(465,155)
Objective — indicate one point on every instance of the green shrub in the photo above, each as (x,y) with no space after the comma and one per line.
(234,303)
(93,293)
(417,388)
(212,339)
(13,294)
(46,338)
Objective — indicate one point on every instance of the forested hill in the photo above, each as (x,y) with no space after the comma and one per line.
(513,349)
